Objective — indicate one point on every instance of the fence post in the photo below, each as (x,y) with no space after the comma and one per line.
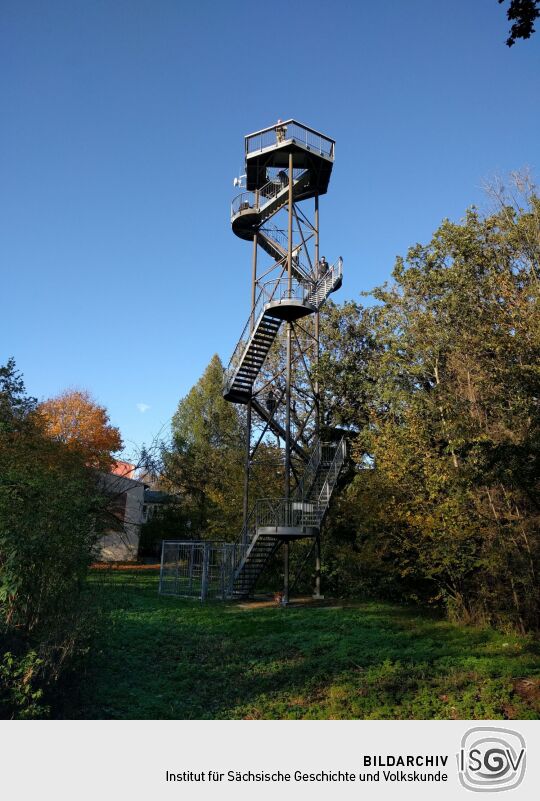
(177,567)
(237,551)
(190,568)
(204,582)
(223,563)
(161,567)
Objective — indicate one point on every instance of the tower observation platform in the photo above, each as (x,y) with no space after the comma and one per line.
(270,147)
(285,164)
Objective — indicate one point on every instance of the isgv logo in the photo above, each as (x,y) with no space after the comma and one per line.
(491,759)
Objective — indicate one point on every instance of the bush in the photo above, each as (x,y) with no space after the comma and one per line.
(49,521)
(18,691)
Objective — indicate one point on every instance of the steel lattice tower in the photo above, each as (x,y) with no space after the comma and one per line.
(272,370)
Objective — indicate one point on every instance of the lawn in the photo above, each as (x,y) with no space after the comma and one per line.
(160,657)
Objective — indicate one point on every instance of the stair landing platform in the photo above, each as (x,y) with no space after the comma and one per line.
(288,532)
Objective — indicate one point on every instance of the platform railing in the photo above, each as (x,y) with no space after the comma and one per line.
(290,130)
(278,290)
(287,513)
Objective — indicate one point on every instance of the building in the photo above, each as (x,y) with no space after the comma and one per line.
(127,512)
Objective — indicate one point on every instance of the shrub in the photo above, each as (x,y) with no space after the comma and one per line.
(49,521)
(18,691)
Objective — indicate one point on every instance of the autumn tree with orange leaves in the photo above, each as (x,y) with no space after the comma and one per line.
(75,419)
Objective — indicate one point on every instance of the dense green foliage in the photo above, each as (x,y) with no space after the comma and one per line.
(204,466)
(440,380)
(369,660)
(48,525)
(204,462)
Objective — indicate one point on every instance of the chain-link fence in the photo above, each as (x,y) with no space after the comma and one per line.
(198,568)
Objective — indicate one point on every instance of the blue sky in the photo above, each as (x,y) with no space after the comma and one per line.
(122,129)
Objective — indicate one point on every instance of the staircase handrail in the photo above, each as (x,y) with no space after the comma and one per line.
(326,284)
(310,470)
(238,557)
(277,236)
(249,524)
(269,192)
(279,241)
(333,471)
(250,326)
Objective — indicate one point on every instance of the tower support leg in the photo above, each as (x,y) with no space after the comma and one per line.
(247,468)
(317,589)
(286,553)
(288,379)
(289,343)
(316,344)
(286,548)
(247,464)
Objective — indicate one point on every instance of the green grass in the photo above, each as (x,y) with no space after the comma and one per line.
(159,657)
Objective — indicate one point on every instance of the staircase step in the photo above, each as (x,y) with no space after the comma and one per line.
(263,337)
(247,372)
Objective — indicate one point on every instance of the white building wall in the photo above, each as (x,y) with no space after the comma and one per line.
(123,545)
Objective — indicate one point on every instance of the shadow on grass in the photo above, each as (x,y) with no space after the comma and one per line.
(160,657)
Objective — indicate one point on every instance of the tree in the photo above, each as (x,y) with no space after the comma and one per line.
(440,379)
(522,13)
(15,405)
(76,420)
(205,460)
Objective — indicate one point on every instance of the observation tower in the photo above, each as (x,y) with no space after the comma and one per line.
(272,371)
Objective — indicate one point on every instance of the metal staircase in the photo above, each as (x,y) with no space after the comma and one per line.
(250,210)
(277,301)
(304,514)
(274,242)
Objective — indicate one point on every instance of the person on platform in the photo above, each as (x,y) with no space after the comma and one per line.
(283,178)
(281,132)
